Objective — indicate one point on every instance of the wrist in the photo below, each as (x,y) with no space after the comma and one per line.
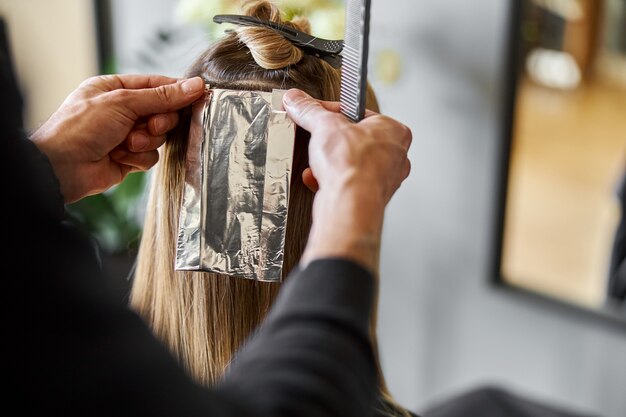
(60,167)
(44,141)
(347,223)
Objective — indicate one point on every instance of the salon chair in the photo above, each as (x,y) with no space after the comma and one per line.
(492,401)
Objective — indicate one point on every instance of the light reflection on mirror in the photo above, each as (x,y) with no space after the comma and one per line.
(564,211)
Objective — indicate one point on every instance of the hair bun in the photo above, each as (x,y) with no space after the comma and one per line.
(269,49)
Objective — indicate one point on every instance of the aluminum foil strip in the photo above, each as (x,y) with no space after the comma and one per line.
(238,170)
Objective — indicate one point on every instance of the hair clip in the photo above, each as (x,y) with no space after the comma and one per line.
(328,50)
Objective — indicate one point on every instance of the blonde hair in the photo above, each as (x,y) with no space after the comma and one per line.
(203,318)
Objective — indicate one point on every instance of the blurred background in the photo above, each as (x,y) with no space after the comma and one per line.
(568,159)
(463,231)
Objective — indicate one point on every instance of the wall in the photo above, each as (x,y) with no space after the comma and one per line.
(138,37)
(54,46)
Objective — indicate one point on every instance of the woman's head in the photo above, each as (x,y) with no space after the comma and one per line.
(258,58)
(204,317)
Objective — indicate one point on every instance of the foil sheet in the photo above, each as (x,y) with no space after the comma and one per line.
(237,174)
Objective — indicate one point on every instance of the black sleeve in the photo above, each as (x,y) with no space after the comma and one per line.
(72,347)
(312,357)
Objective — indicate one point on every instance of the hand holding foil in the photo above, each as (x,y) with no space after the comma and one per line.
(110,126)
(356,169)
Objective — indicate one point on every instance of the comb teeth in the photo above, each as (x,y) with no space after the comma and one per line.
(354,56)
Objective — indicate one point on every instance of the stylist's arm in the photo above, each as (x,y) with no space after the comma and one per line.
(355,169)
(313,354)
(111,126)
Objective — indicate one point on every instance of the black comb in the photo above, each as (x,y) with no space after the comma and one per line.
(354,66)
(326,49)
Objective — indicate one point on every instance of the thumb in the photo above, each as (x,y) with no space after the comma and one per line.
(163,99)
(304,110)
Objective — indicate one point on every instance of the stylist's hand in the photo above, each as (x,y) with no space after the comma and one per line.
(355,169)
(110,126)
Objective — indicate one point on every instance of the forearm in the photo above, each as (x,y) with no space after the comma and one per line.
(313,355)
(347,223)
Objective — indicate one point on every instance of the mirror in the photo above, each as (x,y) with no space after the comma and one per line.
(563,214)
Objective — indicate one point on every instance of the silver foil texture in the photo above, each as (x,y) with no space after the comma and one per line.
(237,175)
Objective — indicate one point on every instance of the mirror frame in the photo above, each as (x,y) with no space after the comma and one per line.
(511,75)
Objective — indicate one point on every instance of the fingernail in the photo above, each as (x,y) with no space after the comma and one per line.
(140,141)
(293,96)
(160,124)
(192,85)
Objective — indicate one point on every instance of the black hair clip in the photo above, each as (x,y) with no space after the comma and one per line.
(328,50)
